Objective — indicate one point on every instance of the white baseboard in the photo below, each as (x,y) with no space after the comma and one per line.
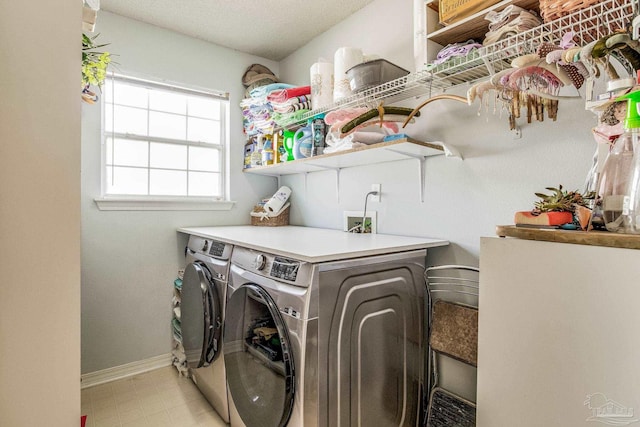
(123,371)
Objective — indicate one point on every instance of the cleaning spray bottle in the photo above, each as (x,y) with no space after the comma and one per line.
(619,169)
(631,203)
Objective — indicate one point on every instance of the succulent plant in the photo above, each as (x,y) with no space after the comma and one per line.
(561,200)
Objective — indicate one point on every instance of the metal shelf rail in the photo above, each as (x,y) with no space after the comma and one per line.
(588,25)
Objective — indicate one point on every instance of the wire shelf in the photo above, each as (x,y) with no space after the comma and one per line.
(588,25)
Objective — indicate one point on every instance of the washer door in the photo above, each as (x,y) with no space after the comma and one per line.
(201,315)
(258,359)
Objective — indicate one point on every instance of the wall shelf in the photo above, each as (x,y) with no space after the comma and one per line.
(589,24)
(400,149)
(474,26)
(383,152)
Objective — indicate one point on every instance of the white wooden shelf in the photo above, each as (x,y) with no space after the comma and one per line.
(383,152)
(400,149)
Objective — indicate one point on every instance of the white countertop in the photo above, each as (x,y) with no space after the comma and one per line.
(313,244)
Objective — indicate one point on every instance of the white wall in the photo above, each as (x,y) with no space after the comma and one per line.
(130,259)
(40,213)
(464,199)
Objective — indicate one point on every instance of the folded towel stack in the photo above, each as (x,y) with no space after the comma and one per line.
(512,20)
(272,105)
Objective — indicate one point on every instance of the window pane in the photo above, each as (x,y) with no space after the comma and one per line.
(108,154)
(204,130)
(106,90)
(180,162)
(126,180)
(166,125)
(133,96)
(203,107)
(204,184)
(129,120)
(129,152)
(167,101)
(204,159)
(108,117)
(168,183)
(168,156)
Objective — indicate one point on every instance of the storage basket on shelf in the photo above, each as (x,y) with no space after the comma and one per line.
(554,9)
(259,217)
(451,11)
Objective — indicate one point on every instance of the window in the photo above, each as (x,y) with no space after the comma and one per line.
(162,141)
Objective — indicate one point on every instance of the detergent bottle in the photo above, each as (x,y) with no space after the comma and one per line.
(618,171)
(287,144)
(303,143)
(631,202)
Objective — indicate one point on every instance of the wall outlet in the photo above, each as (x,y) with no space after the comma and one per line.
(353,221)
(376,197)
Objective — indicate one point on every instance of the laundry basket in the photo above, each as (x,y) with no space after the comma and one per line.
(258,218)
(554,9)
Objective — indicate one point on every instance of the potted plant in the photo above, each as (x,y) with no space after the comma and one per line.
(94,67)
(557,208)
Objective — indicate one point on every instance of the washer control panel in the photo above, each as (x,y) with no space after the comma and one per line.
(276,267)
(285,269)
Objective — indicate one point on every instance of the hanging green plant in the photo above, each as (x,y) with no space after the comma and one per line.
(94,66)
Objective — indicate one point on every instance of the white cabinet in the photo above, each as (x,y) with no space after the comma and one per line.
(558,334)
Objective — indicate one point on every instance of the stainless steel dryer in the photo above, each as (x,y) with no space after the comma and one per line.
(333,344)
(204,289)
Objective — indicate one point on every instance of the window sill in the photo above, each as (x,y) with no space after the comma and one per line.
(162,204)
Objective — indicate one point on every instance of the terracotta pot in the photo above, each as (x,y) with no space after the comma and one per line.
(545,218)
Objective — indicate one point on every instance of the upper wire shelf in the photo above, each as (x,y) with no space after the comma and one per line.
(588,25)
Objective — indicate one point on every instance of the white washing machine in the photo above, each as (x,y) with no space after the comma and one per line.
(204,290)
(332,344)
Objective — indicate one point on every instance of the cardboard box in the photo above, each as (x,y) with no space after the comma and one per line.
(451,11)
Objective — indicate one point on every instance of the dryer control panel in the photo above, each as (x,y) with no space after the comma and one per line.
(209,247)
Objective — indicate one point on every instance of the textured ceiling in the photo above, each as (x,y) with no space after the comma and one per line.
(272,29)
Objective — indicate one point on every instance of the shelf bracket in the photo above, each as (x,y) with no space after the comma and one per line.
(422,162)
(276,176)
(338,170)
(423,168)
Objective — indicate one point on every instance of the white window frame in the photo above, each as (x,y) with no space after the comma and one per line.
(149,202)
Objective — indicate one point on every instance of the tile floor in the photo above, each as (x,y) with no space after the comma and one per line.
(160,398)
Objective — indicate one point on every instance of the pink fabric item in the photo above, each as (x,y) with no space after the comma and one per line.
(392,126)
(281,95)
(344,115)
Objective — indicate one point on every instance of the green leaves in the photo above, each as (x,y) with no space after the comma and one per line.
(94,63)
(560,200)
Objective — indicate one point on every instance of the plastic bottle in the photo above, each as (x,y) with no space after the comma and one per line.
(319,131)
(631,204)
(267,152)
(618,171)
(256,156)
